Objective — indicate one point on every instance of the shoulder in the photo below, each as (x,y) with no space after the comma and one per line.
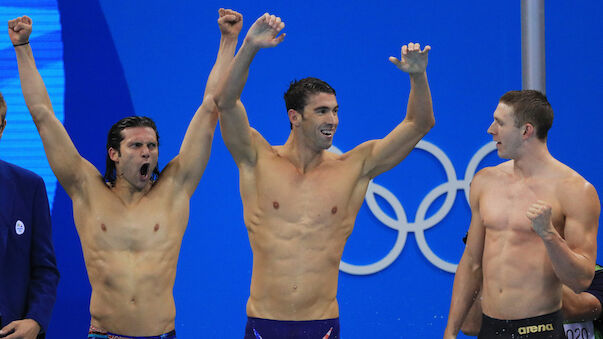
(572,189)
(17,173)
(494,173)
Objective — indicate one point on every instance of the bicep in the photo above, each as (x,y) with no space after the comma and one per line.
(239,137)
(388,152)
(582,211)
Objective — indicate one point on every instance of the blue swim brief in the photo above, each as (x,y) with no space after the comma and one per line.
(96,333)
(258,328)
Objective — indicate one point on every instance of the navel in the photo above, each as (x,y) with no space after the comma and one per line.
(334,210)
(103,227)
(156,228)
(275,205)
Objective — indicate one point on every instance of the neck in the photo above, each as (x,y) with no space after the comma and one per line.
(533,159)
(303,156)
(127,192)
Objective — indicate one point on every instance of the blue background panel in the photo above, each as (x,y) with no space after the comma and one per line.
(153,57)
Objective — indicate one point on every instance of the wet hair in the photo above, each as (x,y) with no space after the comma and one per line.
(115,138)
(299,90)
(2,108)
(530,106)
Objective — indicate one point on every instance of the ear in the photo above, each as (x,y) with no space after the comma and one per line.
(527,131)
(2,125)
(295,117)
(113,154)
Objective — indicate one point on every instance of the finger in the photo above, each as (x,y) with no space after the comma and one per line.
(228,18)
(395,61)
(8,328)
(279,39)
(411,46)
(27,20)
(281,26)
(426,49)
(21,26)
(404,49)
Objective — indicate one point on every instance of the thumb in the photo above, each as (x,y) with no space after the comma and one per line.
(395,61)
(7,329)
(20,26)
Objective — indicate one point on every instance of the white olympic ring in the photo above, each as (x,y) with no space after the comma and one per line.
(401,224)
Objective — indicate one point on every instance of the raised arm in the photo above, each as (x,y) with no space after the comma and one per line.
(66,163)
(237,133)
(572,256)
(386,153)
(189,165)
(468,277)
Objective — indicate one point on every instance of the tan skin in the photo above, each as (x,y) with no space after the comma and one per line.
(533,228)
(300,201)
(130,231)
(575,307)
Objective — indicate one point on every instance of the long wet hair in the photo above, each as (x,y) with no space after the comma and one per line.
(115,138)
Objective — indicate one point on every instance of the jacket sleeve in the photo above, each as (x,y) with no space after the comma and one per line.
(44,273)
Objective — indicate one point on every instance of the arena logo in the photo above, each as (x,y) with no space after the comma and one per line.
(421,223)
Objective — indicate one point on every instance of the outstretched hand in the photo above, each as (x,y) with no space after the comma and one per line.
(19,29)
(412,59)
(263,33)
(230,22)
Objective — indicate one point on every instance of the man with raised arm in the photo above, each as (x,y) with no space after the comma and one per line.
(131,227)
(300,201)
(533,229)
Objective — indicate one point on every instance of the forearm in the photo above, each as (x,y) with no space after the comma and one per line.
(420,107)
(32,85)
(236,77)
(467,284)
(226,51)
(573,269)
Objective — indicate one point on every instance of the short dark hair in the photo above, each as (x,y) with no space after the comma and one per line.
(115,138)
(530,106)
(299,91)
(2,108)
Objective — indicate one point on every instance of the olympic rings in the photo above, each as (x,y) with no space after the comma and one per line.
(401,224)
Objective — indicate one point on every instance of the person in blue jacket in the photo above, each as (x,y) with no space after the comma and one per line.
(28,270)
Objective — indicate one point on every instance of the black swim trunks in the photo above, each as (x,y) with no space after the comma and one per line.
(258,328)
(544,326)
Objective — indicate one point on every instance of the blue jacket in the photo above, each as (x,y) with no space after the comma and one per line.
(28,270)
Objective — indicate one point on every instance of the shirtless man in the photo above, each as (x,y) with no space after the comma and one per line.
(131,228)
(300,201)
(533,228)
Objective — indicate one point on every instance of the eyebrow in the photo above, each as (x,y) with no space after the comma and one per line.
(325,107)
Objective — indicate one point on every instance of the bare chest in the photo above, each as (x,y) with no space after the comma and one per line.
(113,226)
(328,192)
(505,204)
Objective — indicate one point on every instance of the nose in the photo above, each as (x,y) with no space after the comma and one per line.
(332,118)
(492,128)
(146,153)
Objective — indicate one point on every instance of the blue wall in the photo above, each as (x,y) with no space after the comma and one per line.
(152,58)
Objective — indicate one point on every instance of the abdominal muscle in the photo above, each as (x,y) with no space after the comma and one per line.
(295,270)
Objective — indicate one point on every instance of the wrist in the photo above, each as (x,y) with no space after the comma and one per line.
(21,44)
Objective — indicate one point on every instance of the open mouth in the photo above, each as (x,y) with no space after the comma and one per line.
(144,169)
(327,132)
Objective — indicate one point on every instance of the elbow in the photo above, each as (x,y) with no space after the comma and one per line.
(582,284)
(222,103)
(426,125)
